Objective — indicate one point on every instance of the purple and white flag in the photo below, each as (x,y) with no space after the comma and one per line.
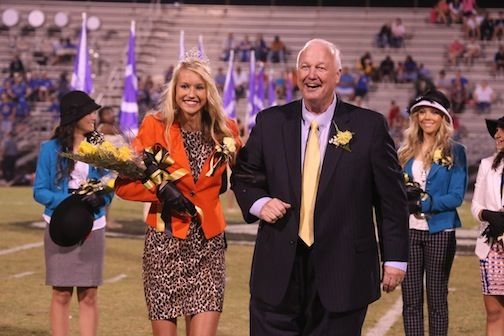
(229,99)
(251,109)
(181,46)
(201,50)
(288,89)
(271,89)
(128,117)
(259,90)
(81,75)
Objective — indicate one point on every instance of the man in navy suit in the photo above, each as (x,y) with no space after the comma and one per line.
(323,285)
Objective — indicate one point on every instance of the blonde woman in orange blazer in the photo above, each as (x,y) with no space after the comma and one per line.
(183,261)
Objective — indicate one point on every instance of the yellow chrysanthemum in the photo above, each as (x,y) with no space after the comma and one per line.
(124,153)
(108,147)
(85,148)
(344,138)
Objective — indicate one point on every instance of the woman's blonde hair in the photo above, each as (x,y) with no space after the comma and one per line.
(413,139)
(213,119)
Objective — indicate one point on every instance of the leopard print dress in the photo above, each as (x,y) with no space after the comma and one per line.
(184,277)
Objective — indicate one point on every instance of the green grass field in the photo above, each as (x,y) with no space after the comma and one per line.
(24,300)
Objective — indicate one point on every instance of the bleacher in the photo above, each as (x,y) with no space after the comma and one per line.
(158,27)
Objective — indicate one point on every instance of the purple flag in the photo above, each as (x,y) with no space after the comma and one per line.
(229,99)
(271,90)
(288,88)
(181,46)
(128,118)
(251,108)
(201,50)
(81,76)
(259,91)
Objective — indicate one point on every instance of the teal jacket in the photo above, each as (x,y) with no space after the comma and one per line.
(45,189)
(446,187)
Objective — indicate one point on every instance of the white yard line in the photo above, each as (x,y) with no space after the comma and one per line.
(387,321)
(20,248)
(117,278)
(21,275)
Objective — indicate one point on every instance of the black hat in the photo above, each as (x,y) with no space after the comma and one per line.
(75,105)
(71,221)
(435,99)
(492,125)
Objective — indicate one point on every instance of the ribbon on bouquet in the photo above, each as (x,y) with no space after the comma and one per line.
(90,187)
(159,156)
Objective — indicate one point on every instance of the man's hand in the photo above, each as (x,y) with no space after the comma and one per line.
(392,277)
(273,210)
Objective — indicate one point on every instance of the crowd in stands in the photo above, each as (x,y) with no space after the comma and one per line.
(275,52)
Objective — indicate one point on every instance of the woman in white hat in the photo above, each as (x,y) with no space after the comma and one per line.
(430,157)
(487,207)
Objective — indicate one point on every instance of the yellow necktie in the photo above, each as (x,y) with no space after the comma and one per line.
(311,173)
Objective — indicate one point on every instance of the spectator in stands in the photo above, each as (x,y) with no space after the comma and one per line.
(423,84)
(458,96)
(21,92)
(441,13)
(399,72)
(410,69)
(472,51)
(442,83)
(468,7)
(487,27)
(183,263)
(168,74)
(455,52)
(8,113)
(277,51)
(45,87)
(424,71)
(384,36)
(362,85)
(393,113)
(486,208)
(346,86)
(483,96)
(460,78)
(387,70)
(9,156)
(366,65)
(261,48)
(498,65)
(244,48)
(80,265)
(108,127)
(499,26)
(455,7)
(228,45)
(220,79)
(398,33)
(63,85)
(472,26)
(432,159)
(241,82)
(16,66)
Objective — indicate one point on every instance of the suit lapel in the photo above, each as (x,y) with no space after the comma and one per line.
(292,149)
(333,154)
(433,170)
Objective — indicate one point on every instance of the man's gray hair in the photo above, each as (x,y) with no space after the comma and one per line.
(332,48)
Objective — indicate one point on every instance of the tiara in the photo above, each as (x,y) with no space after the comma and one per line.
(195,55)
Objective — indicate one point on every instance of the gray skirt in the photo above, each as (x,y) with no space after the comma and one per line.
(75,266)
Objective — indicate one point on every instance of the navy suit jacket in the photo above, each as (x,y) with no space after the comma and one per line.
(345,253)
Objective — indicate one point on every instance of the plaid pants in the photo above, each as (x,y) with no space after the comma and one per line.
(433,255)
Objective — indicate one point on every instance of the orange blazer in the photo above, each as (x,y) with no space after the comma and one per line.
(204,193)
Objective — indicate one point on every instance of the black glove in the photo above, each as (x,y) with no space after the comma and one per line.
(94,200)
(414,194)
(173,198)
(495,221)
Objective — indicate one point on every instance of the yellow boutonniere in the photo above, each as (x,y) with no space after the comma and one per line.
(223,153)
(443,160)
(342,138)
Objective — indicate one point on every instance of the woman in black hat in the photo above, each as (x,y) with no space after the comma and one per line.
(73,253)
(487,207)
(430,157)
